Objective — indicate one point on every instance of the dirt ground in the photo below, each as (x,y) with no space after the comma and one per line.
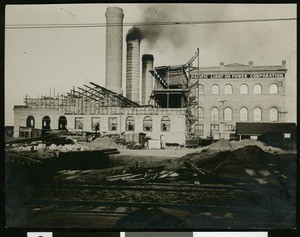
(254,195)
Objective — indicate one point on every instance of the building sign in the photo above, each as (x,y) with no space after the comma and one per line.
(238,76)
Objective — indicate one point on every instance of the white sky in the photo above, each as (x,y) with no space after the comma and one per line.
(37,59)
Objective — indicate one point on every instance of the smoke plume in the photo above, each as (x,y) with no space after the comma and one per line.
(134,33)
(174,35)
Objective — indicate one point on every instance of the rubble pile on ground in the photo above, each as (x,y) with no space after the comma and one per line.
(41,147)
(249,161)
(224,145)
(245,162)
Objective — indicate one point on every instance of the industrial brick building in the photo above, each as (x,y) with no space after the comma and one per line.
(179,102)
(239,93)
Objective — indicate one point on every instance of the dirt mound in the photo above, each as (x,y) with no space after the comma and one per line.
(225,145)
(101,142)
(245,162)
(221,145)
(249,161)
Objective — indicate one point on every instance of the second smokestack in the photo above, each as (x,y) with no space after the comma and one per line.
(147,79)
(133,40)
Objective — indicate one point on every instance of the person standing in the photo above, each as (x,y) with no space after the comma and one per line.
(97,129)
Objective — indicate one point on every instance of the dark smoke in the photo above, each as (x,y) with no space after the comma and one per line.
(174,35)
(134,33)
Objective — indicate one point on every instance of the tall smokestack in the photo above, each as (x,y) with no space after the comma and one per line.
(147,79)
(133,40)
(114,48)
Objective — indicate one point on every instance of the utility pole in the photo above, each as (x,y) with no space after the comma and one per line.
(198,90)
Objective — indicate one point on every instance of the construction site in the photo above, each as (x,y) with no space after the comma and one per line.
(189,148)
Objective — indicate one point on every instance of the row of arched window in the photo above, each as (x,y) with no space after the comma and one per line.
(112,123)
(46,122)
(244,89)
(257,114)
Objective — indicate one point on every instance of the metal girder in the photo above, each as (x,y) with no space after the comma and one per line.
(119,97)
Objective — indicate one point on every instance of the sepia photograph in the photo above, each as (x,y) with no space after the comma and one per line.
(138,117)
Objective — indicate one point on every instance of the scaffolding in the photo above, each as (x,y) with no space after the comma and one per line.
(176,89)
(89,99)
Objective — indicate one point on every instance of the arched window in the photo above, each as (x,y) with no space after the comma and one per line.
(215,89)
(129,123)
(165,124)
(244,89)
(62,123)
(201,114)
(257,89)
(214,114)
(147,123)
(228,89)
(201,89)
(273,89)
(257,114)
(30,122)
(46,122)
(244,114)
(273,114)
(227,114)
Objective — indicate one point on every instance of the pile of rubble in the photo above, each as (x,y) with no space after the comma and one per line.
(41,147)
(224,145)
(187,173)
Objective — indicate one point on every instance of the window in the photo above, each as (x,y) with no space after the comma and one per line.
(46,122)
(215,89)
(112,123)
(257,114)
(230,127)
(129,123)
(79,123)
(244,89)
(199,129)
(165,124)
(95,122)
(273,89)
(62,123)
(201,89)
(273,114)
(30,122)
(257,89)
(147,123)
(214,114)
(214,127)
(227,114)
(201,114)
(228,89)
(244,114)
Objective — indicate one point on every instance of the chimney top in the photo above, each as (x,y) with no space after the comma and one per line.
(284,63)
(147,57)
(114,12)
(250,63)
(134,34)
(222,64)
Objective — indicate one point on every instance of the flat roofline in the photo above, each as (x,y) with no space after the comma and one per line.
(170,90)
